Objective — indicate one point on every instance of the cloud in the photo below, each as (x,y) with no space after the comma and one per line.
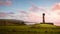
(56,6)
(1,2)
(21,11)
(34,17)
(38,9)
(6,3)
(2,14)
(6,14)
(56,13)
(10,12)
(34,9)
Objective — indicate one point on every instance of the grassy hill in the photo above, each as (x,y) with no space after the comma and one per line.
(10,27)
(33,29)
(44,25)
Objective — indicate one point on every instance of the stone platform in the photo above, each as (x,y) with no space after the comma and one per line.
(47,23)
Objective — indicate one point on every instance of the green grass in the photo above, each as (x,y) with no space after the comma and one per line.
(45,25)
(33,29)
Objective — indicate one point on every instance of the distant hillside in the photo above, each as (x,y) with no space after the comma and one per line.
(11,22)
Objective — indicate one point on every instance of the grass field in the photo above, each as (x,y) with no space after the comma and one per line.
(33,29)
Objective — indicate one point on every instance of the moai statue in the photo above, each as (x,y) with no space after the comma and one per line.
(43,17)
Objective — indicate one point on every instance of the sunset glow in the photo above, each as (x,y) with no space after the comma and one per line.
(31,10)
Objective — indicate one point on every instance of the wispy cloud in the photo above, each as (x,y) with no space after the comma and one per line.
(2,14)
(1,2)
(6,3)
(56,6)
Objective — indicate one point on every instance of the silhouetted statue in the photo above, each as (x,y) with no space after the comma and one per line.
(43,17)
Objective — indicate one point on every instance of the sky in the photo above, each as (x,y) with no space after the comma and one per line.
(31,10)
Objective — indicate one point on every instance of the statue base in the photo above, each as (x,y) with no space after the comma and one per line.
(47,23)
